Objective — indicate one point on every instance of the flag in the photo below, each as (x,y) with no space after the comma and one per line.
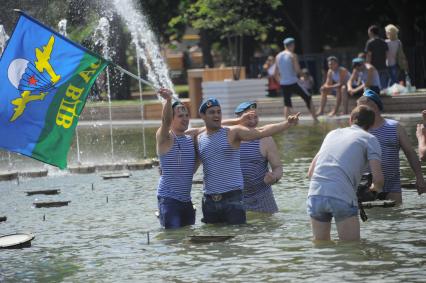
(45,79)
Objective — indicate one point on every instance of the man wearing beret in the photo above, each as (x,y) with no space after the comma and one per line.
(367,74)
(219,151)
(255,156)
(392,137)
(287,71)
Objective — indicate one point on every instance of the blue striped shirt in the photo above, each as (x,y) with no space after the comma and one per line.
(257,195)
(177,170)
(221,163)
(388,139)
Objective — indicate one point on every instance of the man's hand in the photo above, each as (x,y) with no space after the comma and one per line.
(247,117)
(165,93)
(421,186)
(293,119)
(270,178)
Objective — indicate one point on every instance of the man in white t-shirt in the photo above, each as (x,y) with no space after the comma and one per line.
(335,174)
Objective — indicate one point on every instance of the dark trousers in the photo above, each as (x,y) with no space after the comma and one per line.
(224,208)
(174,213)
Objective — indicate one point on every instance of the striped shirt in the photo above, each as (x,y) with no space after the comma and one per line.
(388,139)
(221,163)
(257,195)
(177,169)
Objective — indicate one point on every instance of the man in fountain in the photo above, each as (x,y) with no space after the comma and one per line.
(177,162)
(335,84)
(219,151)
(335,174)
(392,137)
(287,71)
(421,137)
(254,158)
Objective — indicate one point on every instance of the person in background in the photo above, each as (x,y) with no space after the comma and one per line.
(286,72)
(335,174)
(421,137)
(335,84)
(176,152)
(219,151)
(268,72)
(394,46)
(255,156)
(376,51)
(392,137)
(367,74)
(307,81)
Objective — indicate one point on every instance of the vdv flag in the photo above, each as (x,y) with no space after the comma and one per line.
(45,79)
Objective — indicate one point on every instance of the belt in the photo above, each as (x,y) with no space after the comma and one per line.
(219,197)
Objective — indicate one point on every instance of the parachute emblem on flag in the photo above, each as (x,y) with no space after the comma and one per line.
(31,79)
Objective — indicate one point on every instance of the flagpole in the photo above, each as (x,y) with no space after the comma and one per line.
(121,69)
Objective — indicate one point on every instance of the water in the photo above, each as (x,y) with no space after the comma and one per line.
(3,39)
(95,241)
(147,47)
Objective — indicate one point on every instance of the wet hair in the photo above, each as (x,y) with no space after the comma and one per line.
(374,29)
(176,105)
(363,116)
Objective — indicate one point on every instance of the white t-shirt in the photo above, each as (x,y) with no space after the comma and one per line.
(342,159)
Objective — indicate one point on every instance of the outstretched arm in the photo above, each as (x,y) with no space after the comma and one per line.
(245,134)
(412,159)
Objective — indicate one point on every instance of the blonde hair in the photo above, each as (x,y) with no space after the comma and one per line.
(392,32)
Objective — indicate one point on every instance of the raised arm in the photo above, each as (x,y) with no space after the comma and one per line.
(163,133)
(412,158)
(270,151)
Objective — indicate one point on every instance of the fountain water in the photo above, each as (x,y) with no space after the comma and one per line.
(3,39)
(147,47)
(101,37)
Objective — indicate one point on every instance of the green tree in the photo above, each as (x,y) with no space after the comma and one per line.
(233,21)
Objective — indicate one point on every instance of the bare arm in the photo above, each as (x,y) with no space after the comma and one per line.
(277,70)
(296,65)
(421,138)
(312,166)
(328,81)
(270,151)
(351,82)
(376,171)
(163,133)
(240,133)
(368,57)
(412,158)
(370,75)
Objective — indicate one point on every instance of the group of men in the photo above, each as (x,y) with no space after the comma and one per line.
(235,154)
(235,163)
(336,170)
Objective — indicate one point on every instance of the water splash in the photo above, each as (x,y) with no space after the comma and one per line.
(3,39)
(146,44)
(62,27)
(101,38)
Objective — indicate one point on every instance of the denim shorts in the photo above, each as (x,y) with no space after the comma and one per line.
(174,213)
(224,208)
(323,208)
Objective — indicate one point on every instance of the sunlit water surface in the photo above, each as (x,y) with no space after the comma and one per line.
(95,240)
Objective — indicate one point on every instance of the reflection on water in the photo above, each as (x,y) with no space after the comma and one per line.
(92,240)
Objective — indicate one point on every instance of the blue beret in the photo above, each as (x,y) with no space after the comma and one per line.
(244,106)
(288,40)
(374,97)
(357,60)
(210,102)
